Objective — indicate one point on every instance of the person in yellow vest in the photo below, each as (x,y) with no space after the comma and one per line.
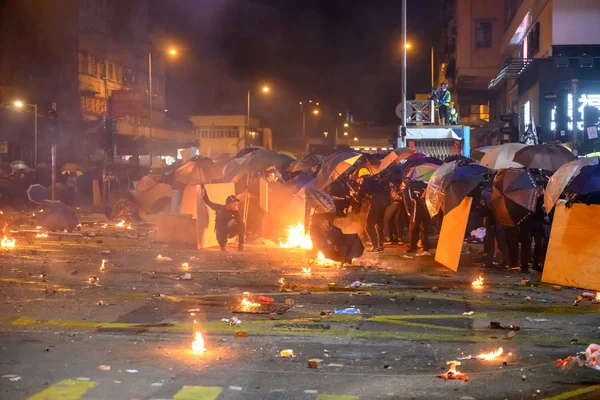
(444,104)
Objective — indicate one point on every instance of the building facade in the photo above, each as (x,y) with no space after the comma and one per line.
(227,134)
(71,56)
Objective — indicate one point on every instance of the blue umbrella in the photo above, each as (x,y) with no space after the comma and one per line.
(588,180)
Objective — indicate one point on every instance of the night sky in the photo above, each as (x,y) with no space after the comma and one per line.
(343,53)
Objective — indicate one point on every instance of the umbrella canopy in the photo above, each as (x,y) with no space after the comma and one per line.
(197,171)
(421,172)
(561,178)
(415,156)
(57,217)
(263,159)
(147,182)
(72,167)
(463,180)
(232,166)
(334,166)
(502,156)
(549,157)
(249,150)
(456,157)
(514,195)
(320,201)
(37,193)
(436,187)
(395,156)
(587,181)
(19,165)
(422,160)
(287,153)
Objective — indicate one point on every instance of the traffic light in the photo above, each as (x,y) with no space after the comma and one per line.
(53,126)
(512,127)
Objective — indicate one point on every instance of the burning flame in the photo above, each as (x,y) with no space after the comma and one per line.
(38,227)
(93,279)
(296,239)
(121,224)
(477,283)
(281,281)
(41,235)
(103,267)
(597,298)
(8,243)
(306,270)
(185,266)
(103,226)
(453,373)
(490,356)
(198,343)
(162,258)
(246,305)
(129,227)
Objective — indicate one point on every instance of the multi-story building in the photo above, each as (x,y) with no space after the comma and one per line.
(228,134)
(71,55)
(528,51)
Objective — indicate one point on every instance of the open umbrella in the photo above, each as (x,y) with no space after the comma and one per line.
(232,166)
(421,172)
(463,180)
(502,156)
(19,165)
(587,181)
(549,157)
(334,166)
(436,187)
(514,195)
(147,182)
(37,193)
(395,156)
(561,178)
(71,167)
(249,150)
(196,171)
(57,217)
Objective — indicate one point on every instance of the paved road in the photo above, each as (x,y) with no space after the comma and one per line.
(55,336)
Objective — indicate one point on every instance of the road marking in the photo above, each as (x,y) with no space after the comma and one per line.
(238,388)
(198,393)
(68,389)
(335,397)
(309,391)
(574,393)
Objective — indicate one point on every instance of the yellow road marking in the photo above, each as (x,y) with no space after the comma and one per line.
(574,393)
(198,393)
(68,389)
(335,397)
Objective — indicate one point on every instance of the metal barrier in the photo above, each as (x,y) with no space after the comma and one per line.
(420,112)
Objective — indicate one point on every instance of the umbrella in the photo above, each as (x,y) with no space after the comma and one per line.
(37,193)
(287,153)
(514,195)
(197,171)
(334,166)
(499,157)
(249,150)
(587,181)
(57,217)
(71,167)
(561,178)
(456,157)
(549,157)
(147,182)
(320,201)
(395,156)
(421,172)
(415,156)
(422,160)
(463,180)
(263,159)
(436,187)
(232,166)
(19,165)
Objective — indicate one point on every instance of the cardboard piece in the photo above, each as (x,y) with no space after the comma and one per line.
(574,247)
(189,203)
(96,194)
(452,235)
(217,193)
(173,228)
(263,189)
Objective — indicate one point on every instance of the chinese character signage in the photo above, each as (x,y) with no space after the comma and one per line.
(92,105)
(127,102)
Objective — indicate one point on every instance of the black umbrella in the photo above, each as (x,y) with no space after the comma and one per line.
(549,157)
(57,217)
(588,181)
(514,196)
(37,193)
(463,181)
(248,150)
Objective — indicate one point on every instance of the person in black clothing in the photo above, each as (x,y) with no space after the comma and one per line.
(228,223)
(420,219)
(378,197)
(396,218)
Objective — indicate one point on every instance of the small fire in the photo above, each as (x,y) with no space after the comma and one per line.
(246,305)
(281,281)
(597,298)
(185,266)
(129,227)
(103,266)
(41,235)
(38,227)
(162,258)
(477,283)
(104,226)
(297,239)
(306,270)
(93,280)
(8,243)
(198,343)
(121,224)
(491,356)
(453,373)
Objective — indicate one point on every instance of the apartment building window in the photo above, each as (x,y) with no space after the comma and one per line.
(93,65)
(110,71)
(83,63)
(483,34)
(218,133)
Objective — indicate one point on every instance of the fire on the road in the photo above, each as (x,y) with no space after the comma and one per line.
(121,224)
(297,239)
(477,283)
(198,343)
(247,305)
(185,266)
(306,270)
(7,243)
(103,266)
(491,355)
(453,373)
(41,235)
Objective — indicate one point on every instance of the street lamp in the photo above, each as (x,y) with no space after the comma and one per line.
(316,112)
(346,125)
(173,52)
(345,133)
(20,104)
(356,139)
(265,89)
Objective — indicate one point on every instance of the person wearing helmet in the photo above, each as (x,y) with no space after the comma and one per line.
(444,104)
(453,118)
(228,222)
(378,196)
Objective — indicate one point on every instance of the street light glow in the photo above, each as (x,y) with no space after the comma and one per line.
(346,134)
(173,52)
(356,139)
(266,89)
(18,103)
(408,46)
(340,114)
(299,102)
(345,124)
(316,112)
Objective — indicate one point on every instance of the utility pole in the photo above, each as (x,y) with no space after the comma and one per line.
(248,118)
(150,104)
(403,127)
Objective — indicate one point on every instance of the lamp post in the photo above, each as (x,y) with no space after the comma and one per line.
(265,89)
(403,127)
(20,104)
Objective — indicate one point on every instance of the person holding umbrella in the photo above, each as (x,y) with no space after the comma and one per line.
(412,193)
(378,197)
(228,223)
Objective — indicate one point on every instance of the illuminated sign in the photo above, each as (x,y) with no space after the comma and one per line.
(585,100)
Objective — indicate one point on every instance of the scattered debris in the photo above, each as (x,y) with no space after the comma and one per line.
(132,371)
(105,252)
(93,280)
(288,353)
(496,325)
(290,302)
(525,282)
(536,319)
(104,303)
(241,334)
(232,321)
(588,358)
(104,367)
(468,313)
(273,316)
(315,363)
(453,373)
(305,292)
(435,289)
(103,265)
(557,288)
(349,310)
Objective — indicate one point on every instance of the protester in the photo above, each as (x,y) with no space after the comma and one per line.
(71,188)
(378,197)
(396,218)
(420,219)
(228,222)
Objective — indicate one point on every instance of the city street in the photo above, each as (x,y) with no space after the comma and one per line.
(128,335)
